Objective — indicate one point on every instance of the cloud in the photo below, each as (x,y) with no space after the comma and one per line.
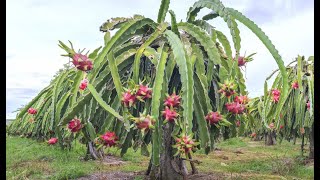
(34,27)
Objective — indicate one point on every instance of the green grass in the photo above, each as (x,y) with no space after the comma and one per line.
(27,158)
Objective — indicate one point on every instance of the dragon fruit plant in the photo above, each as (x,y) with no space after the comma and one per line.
(187,60)
(287,119)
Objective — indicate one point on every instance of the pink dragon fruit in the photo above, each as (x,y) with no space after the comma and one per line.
(144,92)
(235,107)
(109,139)
(243,60)
(228,88)
(82,62)
(276,95)
(184,144)
(32,111)
(295,85)
(169,114)
(253,134)
(52,141)
(128,99)
(83,84)
(144,122)
(241,99)
(213,117)
(74,125)
(172,101)
(281,126)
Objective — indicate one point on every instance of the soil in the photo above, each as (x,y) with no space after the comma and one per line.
(132,175)
(110,160)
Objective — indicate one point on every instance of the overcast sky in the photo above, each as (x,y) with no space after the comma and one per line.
(34,27)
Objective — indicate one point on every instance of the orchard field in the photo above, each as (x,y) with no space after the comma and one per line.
(167,100)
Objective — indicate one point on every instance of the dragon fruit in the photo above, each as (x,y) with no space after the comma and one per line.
(32,111)
(52,141)
(243,60)
(275,95)
(281,126)
(275,92)
(238,123)
(128,99)
(228,88)
(235,107)
(184,144)
(241,99)
(75,125)
(172,101)
(213,117)
(253,134)
(109,139)
(144,92)
(295,85)
(308,105)
(82,62)
(144,122)
(169,114)
(83,84)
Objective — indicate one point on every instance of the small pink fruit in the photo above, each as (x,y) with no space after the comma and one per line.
(275,92)
(82,62)
(235,108)
(32,111)
(52,141)
(241,99)
(281,126)
(128,99)
(302,130)
(169,115)
(75,125)
(241,61)
(83,84)
(109,139)
(144,122)
(144,92)
(253,134)
(213,117)
(172,101)
(295,85)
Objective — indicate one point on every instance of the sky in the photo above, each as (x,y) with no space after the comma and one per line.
(33,28)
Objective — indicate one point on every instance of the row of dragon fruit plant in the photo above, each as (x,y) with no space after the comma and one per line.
(139,89)
(296,118)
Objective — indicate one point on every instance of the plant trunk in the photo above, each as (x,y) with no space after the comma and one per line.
(93,152)
(294,138)
(271,138)
(226,133)
(311,144)
(171,168)
(302,144)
